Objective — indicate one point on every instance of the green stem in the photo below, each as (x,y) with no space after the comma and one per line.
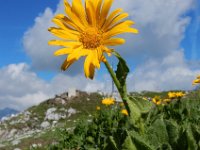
(122,91)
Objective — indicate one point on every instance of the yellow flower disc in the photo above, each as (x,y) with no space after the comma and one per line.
(87,30)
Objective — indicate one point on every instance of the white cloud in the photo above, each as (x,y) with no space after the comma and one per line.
(170,73)
(20,87)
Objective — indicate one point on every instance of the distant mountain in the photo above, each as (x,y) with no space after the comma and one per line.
(7,112)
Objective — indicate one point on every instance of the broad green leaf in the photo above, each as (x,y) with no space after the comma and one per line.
(122,69)
(128,144)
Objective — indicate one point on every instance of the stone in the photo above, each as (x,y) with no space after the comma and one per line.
(17,149)
(71,111)
(16,142)
(45,124)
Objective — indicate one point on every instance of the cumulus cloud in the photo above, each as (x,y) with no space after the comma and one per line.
(20,87)
(170,73)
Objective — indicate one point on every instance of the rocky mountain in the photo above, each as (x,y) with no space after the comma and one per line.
(37,125)
(7,112)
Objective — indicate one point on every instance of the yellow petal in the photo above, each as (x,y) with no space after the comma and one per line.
(105,10)
(114,21)
(62,25)
(68,22)
(119,29)
(77,53)
(96,58)
(63,34)
(72,15)
(79,10)
(89,68)
(91,16)
(66,64)
(65,43)
(98,9)
(63,51)
(114,41)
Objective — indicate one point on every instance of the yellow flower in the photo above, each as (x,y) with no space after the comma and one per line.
(179,94)
(196,81)
(125,112)
(156,99)
(88,31)
(98,108)
(172,95)
(108,101)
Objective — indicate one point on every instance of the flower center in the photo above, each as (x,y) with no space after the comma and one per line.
(91,38)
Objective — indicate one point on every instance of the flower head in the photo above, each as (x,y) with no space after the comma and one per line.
(156,100)
(108,101)
(179,94)
(125,112)
(172,95)
(196,81)
(87,31)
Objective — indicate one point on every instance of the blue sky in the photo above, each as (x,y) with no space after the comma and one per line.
(165,55)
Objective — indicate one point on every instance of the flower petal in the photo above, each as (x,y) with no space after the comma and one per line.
(79,10)
(65,43)
(75,19)
(105,10)
(114,21)
(63,34)
(89,68)
(114,41)
(63,51)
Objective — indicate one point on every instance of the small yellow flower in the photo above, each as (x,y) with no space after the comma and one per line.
(179,94)
(89,30)
(196,81)
(98,108)
(108,101)
(125,112)
(172,95)
(156,99)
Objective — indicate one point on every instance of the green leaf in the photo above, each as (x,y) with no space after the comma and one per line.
(157,133)
(122,69)
(190,139)
(111,144)
(128,144)
(138,107)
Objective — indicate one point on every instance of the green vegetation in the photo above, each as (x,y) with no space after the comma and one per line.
(164,127)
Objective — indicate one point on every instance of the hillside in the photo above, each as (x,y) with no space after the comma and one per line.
(37,124)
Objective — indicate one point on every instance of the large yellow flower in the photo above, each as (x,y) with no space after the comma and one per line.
(87,31)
